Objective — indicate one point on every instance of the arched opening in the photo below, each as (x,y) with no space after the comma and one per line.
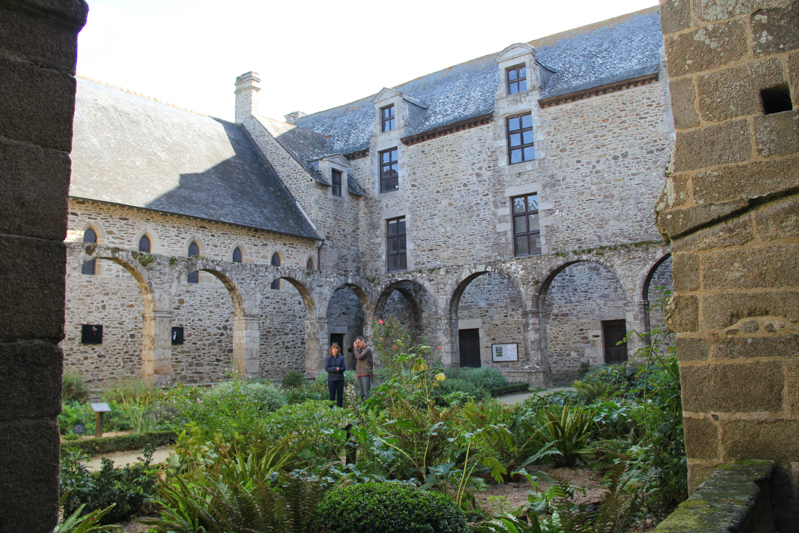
(122,303)
(145,245)
(275,286)
(346,319)
(89,268)
(408,302)
(238,255)
(657,285)
(488,320)
(194,251)
(289,331)
(582,312)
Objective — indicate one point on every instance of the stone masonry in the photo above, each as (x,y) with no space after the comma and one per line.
(730,210)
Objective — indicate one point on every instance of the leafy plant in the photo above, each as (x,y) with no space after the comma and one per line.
(74,388)
(77,522)
(567,430)
(293,380)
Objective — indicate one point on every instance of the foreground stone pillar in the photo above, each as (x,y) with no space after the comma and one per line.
(157,348)
(730,209)
(246,343)
(38,47)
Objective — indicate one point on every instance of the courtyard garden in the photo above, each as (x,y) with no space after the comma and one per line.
(431,451)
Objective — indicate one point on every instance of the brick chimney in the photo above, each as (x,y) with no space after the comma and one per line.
(247,89)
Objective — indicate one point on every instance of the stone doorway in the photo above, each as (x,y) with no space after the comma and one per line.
(614,331)
(469,343)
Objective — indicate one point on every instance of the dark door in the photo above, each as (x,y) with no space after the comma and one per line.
(614,332)
(469,341)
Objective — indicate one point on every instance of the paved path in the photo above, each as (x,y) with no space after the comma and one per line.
(127,458)
(512,399)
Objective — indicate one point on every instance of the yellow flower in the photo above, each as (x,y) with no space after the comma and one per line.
(440,376)
(421,366)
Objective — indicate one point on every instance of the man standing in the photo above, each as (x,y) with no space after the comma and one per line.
(364,363)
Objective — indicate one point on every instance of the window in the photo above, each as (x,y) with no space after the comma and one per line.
(387,119)
(309,264)
(526,230)
(194,251)
(237,255)
(389,178)
(517,79)
(177,335)
(336,182)
(144,244)
(520,139)
(395,244)
(276,262)
(89,268)
(91,334)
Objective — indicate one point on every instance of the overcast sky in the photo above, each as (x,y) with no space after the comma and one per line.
(311,55)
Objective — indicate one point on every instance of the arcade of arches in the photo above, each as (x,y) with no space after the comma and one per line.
(538,320)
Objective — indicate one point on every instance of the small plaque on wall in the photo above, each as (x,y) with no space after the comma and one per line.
(504,352)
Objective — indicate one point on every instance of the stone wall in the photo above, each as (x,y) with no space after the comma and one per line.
(38,51)
(345,315)
(729,209)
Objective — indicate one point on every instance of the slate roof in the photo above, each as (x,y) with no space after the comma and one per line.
(606,52)
(133,151)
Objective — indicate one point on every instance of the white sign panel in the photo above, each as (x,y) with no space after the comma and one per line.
(504,352)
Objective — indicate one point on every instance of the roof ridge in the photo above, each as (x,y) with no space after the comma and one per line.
(151,98)
(550,39)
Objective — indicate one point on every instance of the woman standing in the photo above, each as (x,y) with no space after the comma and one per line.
(335,367)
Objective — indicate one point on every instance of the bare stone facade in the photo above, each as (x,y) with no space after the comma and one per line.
(730,211)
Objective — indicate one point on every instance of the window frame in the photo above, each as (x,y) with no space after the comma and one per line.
(193,277)
(89,268)
(388,123)
(522,147)
(509,84)
(275,260)
(336,184)
(388,172)
(528,233)
(401,253)
(91,334)
(240,258)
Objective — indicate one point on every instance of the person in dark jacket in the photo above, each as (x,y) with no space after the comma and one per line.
(364,363)
(335,367)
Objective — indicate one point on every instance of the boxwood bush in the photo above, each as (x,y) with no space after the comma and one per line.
(370,507)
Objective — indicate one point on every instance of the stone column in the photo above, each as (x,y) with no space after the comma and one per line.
(38,51)
(442,334)
(316,339)
(246,345)
(157,348)
(635,315)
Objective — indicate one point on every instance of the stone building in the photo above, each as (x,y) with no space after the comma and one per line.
(502,207)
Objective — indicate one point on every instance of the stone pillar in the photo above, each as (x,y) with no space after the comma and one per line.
(38,50)
(246,344)
(637,326)
(442,335)
(316,339)
(729,209)
(157,348)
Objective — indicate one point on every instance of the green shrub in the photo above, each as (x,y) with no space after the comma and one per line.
(370,507)
(73,414)
(320,383)
(264,397)
(293,380)
(130,388)
(443,393)
(513,388)
(119,443)
(485,377)
(74,389)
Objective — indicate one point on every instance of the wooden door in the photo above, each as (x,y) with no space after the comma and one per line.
(614,332)
(469,342)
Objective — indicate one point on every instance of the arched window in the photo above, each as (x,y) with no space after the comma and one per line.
(276,262)
(194,251)
(237,255)
(89,267)
(144,244)
(309,264)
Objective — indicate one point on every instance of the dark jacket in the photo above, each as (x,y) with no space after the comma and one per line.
(331,363)
(364,362)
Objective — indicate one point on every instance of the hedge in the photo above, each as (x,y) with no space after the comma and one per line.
(120,443)
(513,388)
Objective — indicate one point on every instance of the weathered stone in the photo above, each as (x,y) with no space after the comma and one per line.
(723,310)
(709,10)
(706,48)
(749,180)
(686,272)
(691,349)
(777,133)
(32,267)
(35,207)
(676,223)
(675,15)
(761,267)
(23,89)
(682,315)
(778,218)
(48,43)
(698,473)
(775,30)
(750,347)
(701,438)
(726,143)
(30,380)
(29,454)
(774,439)
(683,102)
(792,384)
(718,388)
(793,76)
(732,232)
(736,91)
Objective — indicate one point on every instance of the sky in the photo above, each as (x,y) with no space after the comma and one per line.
(311,55)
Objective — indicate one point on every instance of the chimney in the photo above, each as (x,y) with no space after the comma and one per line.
(247,89)
(292,117)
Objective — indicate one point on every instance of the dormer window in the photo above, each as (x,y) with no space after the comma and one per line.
(336,179)
(516,79)
(387,118)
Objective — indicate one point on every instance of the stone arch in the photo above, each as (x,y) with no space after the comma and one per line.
(591,346)
(648,275)
(314,332)
(409,289)
(454,316)
(347,316)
